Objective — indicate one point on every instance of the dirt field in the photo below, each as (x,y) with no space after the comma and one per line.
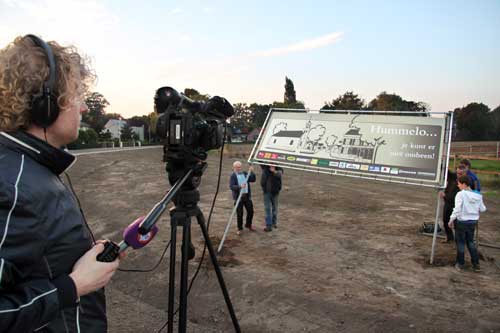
(346,255)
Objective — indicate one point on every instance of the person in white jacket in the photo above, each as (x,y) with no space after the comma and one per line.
(468,205)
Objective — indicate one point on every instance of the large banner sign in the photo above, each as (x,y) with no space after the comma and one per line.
(387,147)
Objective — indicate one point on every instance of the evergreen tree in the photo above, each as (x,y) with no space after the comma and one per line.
(290,97)
(126,133)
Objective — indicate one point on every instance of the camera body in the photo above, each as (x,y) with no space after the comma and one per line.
(189,128)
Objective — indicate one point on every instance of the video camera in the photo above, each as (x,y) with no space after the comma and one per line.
(190,128)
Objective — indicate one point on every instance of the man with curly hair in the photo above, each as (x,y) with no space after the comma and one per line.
(50,279)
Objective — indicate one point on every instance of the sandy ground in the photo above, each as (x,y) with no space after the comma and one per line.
(347,255)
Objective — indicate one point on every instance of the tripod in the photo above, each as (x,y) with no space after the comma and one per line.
(187,207)
(185,196)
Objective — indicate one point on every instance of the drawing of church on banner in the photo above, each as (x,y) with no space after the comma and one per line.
(315,140)
(283,139)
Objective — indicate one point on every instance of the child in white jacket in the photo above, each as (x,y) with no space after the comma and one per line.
(468,205)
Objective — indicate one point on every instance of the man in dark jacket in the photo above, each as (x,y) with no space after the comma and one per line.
(238,183)
(271,186)
(50,280)
(475,185)
(448,196)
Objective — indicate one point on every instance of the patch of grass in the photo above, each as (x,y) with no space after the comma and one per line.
(491,182)
(487,165)
(492,194)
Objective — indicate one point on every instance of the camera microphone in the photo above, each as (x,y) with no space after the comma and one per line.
(218,106)
(131,237)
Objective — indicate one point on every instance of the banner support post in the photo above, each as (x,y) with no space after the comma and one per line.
(445,173)
(436,223)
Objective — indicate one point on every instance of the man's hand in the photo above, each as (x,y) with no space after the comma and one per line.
(243,185)
(89,274)
(450,224)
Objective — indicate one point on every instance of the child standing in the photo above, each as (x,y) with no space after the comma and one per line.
(468,205)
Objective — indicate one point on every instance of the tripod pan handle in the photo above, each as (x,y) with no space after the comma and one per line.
(110,252)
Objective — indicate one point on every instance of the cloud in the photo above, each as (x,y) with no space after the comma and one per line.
(305,45)
(176,10)
(63,14)
(67,21)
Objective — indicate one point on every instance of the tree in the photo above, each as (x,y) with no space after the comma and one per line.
(106,135)
(242,118)
(153,120)
(393,102)
(95,116)
(495,124)
(82,137)
(126,132)
(195,95)
(472,122)
(91,136)
(348,101)
(259,114)
(290,97)
(297,105)
(290,100)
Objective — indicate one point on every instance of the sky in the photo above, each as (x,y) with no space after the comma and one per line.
(444,53)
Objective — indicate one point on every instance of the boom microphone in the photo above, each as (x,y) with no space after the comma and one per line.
(131,237)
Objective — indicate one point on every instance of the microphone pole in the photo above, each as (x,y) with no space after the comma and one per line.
(159,208)
(147,226)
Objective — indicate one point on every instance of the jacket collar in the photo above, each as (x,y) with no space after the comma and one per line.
(57,160)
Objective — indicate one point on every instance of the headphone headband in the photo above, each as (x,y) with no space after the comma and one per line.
(48,86)
(44,108)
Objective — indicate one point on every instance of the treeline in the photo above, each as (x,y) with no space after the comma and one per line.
(471,123)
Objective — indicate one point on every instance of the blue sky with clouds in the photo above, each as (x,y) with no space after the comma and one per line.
(445,53)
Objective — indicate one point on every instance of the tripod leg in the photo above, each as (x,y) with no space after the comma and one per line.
(186,241)
(171,278)
(201,221)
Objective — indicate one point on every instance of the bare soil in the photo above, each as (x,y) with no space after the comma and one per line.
(346,255)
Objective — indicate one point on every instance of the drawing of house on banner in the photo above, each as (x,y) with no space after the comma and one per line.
(285,140)
(353,147)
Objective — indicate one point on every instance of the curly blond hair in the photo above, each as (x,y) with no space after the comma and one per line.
(24,69)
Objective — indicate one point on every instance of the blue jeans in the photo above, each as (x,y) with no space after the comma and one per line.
(464,235)
(271,208)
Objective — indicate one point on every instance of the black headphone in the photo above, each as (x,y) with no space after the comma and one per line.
(44,108)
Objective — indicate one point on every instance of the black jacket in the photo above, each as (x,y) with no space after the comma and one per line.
(42,235)
(271,182)
(451,190)
(235,187)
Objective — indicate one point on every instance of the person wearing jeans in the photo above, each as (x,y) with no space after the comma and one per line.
(271,186)
(464,231)
(468,205)
(271,209)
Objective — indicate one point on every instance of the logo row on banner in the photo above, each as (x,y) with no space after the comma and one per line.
(346,165)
